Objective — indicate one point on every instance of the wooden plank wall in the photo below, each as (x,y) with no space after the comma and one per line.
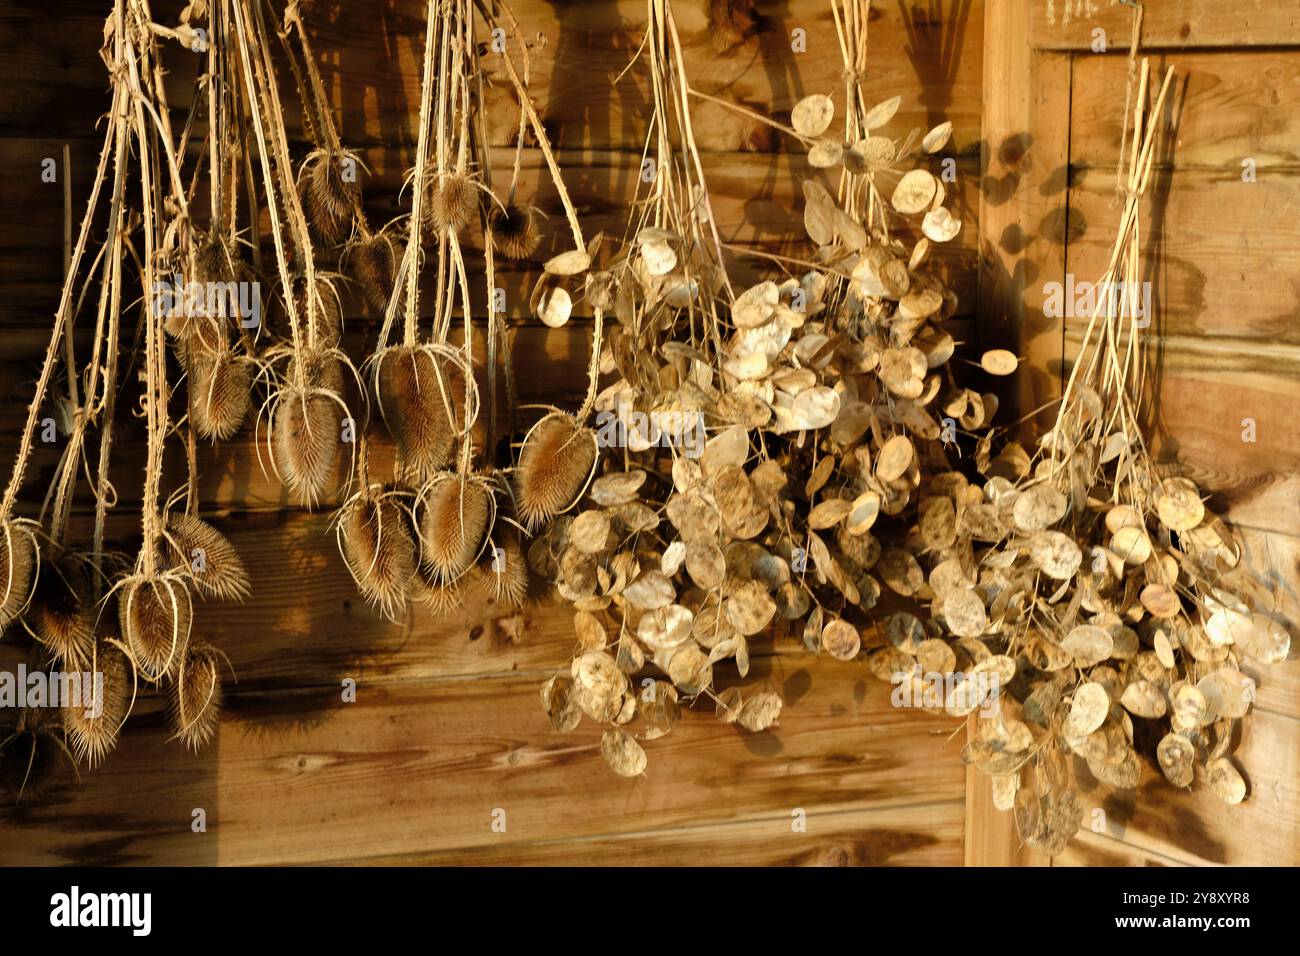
(447,727)
(1226,276)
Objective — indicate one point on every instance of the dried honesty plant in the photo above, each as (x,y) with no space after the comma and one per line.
(1102,597)
(770,426)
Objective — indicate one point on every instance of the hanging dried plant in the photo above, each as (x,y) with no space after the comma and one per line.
(155,615)
(215,567)
(31,754)
(514,230)
(556,463)
(92,727)
(374,533)
(62,614)
(194,697)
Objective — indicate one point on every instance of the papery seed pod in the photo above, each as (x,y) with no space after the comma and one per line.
(62,613)
(514,230)
(194,697)
(211,560)
(456,514)
(374,536)
(154,614)
(420,394)
(92,726)
(19,559)
(556,462)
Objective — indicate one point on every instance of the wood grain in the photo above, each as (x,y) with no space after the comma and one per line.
(925,835)
(419,767)
(1068,24)
(1228,107)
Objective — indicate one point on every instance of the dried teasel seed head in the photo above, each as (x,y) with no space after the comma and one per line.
(194,697)
(453,203)
(62,614)
(514,230)
(154,615)
(329,310)
(373,261)
(330,193)
(455,517)
(19,559)
(211,560)
(221,390)
(374,535)
(440,597)
(502,575)
(92,726)
(305,429)
(420,394)
(555,464)
(31,755)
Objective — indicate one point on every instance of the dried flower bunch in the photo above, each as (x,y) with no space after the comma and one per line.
(89,611)
(816,395)
(445,528)
(1108,599)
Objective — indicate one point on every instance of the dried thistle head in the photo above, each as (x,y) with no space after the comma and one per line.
(305,422)
(331,194)
(19,561)
(31,753)
(92,727)
(154,614)
(374,535)
(514,230)
(456,513)
(502,574)
(556,462)
(62,613)
(221,384)
(421,392)
(373,262)
(194,697)
(453,202)
(328,307)
(211,560)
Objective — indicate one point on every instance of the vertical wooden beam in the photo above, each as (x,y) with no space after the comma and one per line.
(1024,204)
(1023,223)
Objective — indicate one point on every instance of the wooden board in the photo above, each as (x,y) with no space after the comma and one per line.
(926,835)
(370,65)
(1069,24)
(420,766)
(1228,107)
(1023,206)
(1213,275)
